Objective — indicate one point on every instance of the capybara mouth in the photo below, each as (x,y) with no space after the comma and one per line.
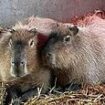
(50,61)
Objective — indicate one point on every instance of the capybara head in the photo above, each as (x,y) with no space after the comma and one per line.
(59,51)
(20,50)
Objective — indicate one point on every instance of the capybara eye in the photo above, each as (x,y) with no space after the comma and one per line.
(66,38)
(31,43)
(10,43)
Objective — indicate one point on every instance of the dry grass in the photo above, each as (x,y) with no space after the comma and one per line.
(88,95)
(2,93)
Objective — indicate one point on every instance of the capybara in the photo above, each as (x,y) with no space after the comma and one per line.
(20,63)
(77,54)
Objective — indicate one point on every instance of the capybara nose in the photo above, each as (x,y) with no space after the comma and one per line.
(48,55)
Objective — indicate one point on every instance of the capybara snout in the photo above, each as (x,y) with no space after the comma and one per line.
(18,59)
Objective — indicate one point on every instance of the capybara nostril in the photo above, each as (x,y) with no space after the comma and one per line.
(49,55)
(22,63)
(13,63)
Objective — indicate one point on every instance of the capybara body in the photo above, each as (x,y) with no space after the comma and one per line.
(20,62)
(43,25)
(77,54)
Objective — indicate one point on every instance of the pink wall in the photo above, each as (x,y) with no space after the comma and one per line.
(65,9)
(62,10)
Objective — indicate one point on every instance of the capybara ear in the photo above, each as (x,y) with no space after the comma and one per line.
(2,30)
(33,30)
(11,30)
(4,33)
(74,30)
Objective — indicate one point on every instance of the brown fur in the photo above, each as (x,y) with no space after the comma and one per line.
(42,25)
(80,60)
(38,75)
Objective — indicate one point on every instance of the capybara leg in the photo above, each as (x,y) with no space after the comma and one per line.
(6,98)
(72,87)
(12,96)
(28,94)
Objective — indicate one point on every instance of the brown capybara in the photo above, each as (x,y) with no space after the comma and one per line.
(77,54)
(20,62)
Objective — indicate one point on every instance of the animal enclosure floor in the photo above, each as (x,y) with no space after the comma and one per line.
(89,95)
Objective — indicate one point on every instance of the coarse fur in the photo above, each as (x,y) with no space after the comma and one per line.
(77,54)
(42,25)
